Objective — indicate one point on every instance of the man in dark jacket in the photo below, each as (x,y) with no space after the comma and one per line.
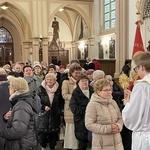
(5,105)
(89,64)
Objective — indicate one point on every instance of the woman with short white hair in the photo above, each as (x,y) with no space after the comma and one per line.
(49,93)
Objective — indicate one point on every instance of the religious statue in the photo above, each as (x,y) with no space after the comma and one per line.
(55,26)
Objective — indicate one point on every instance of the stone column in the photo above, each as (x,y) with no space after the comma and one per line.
(122,9)
(27,51)
(73,51)
(96,28)
(91,48)
(45,49)
(36,49)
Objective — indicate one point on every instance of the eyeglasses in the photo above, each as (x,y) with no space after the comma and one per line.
(107,90)
(135,68)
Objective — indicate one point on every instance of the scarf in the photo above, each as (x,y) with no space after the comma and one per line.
(74,80)
(50,91)
(86,93)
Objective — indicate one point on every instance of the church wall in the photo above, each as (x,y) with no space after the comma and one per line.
(132,26)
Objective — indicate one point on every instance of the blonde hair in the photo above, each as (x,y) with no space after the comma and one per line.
(18,84)
(99,84)
(52,75)
(2,71)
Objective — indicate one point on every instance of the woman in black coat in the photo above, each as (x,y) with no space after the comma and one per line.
(80,98)
(49,94)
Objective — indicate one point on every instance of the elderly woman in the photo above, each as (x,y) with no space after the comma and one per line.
(5,105)
(33,81)
(103,118)
(70,141)
(49,94)
(20,133)
(80,98)
(98,74)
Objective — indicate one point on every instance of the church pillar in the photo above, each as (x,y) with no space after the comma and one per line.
(96,28)
(45,49)
(91,48)
(121,30)
(73,53)
(36,47)
(27,52)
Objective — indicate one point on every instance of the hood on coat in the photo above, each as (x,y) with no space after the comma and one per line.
(98,99)
(34,103)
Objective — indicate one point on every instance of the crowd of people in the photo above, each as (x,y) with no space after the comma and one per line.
(81,99)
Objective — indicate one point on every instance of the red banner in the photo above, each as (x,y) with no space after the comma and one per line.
(138,48)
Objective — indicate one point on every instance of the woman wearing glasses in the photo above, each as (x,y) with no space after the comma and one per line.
(80,98)
(103,118)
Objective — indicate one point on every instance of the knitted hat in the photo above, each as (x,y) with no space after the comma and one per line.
(37,65)
(3,77)
(98,74)
(89,71)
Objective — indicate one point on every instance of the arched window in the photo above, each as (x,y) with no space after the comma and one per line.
(6,47)
(109,14)
(5,36)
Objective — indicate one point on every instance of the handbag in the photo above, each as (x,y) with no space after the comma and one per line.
(43,122)
(62,133)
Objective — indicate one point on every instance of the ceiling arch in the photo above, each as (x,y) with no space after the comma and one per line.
(70,15)
(17,18)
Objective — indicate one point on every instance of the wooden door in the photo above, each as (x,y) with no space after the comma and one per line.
(63,56)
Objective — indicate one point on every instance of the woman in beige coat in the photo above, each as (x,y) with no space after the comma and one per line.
(70,141)
(103,118)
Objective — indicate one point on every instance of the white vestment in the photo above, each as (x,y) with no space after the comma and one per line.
(136,114)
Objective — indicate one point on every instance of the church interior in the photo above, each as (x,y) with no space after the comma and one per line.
(63,30)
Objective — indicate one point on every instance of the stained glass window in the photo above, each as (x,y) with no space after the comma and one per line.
(109,14)
(5,36)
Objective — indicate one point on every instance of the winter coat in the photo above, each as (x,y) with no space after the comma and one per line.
(67,88)
(20,131)
(100,115)
(5,105)
(97,64)
(33,83)
(54,113)
(16,74)
(89,65)
(78,105)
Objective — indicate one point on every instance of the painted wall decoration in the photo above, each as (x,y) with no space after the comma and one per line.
(82,51)
(112,48)
(101,51)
